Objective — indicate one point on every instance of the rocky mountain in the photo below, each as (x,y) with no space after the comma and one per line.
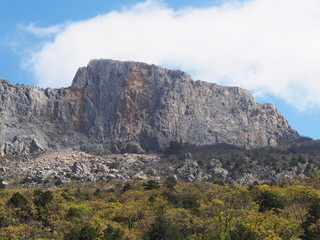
(115,106)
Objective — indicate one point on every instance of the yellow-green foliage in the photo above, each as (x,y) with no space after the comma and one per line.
(286,210)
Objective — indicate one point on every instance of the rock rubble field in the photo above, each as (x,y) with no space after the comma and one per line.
(58,167)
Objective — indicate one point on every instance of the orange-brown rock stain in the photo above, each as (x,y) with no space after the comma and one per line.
(76,97)
(133,101)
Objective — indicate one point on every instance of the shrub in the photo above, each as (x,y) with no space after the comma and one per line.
(74,212)
(170,182)
(114,165)
(127,187)
(97,192)
(18,200)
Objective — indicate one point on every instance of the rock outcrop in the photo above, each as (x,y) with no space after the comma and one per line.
(215,167)
(134,107)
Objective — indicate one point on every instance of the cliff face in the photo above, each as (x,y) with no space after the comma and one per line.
(134,107)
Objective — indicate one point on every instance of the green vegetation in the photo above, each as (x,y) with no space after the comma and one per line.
(172,210)
(242,233)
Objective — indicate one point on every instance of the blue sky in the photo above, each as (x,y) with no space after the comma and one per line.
(270,47)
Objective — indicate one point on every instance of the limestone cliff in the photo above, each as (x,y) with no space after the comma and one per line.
(134,107)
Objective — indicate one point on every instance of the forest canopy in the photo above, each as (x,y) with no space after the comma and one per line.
(288,209)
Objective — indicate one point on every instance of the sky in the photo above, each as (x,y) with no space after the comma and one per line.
(270,47)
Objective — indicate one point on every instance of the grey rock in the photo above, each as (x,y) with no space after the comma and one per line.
(102,168)
(214,163)
(187,155)
(141,176)
(273,175)
(246,179)
(191,172)
(91,178)
(216,169)
(5,183)
(112,176)
(115,106)
(113,170)
(284,175)
(56,166)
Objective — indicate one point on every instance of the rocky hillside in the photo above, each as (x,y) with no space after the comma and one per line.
(134,107)
(219,163)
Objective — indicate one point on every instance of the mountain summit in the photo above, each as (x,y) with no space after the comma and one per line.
(134,107)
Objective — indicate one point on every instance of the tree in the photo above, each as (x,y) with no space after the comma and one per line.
(162,229)
(131,212)
(311,225)
(111,233)
(18,200)
(3,221)
(42,199)
(150,185)
(21,206)
(170,183)
(191,202)
(242,233)
(127,186)
(269,201)
(74,212)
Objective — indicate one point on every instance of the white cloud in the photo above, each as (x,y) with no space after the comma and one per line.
(42,32)
(267,46)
